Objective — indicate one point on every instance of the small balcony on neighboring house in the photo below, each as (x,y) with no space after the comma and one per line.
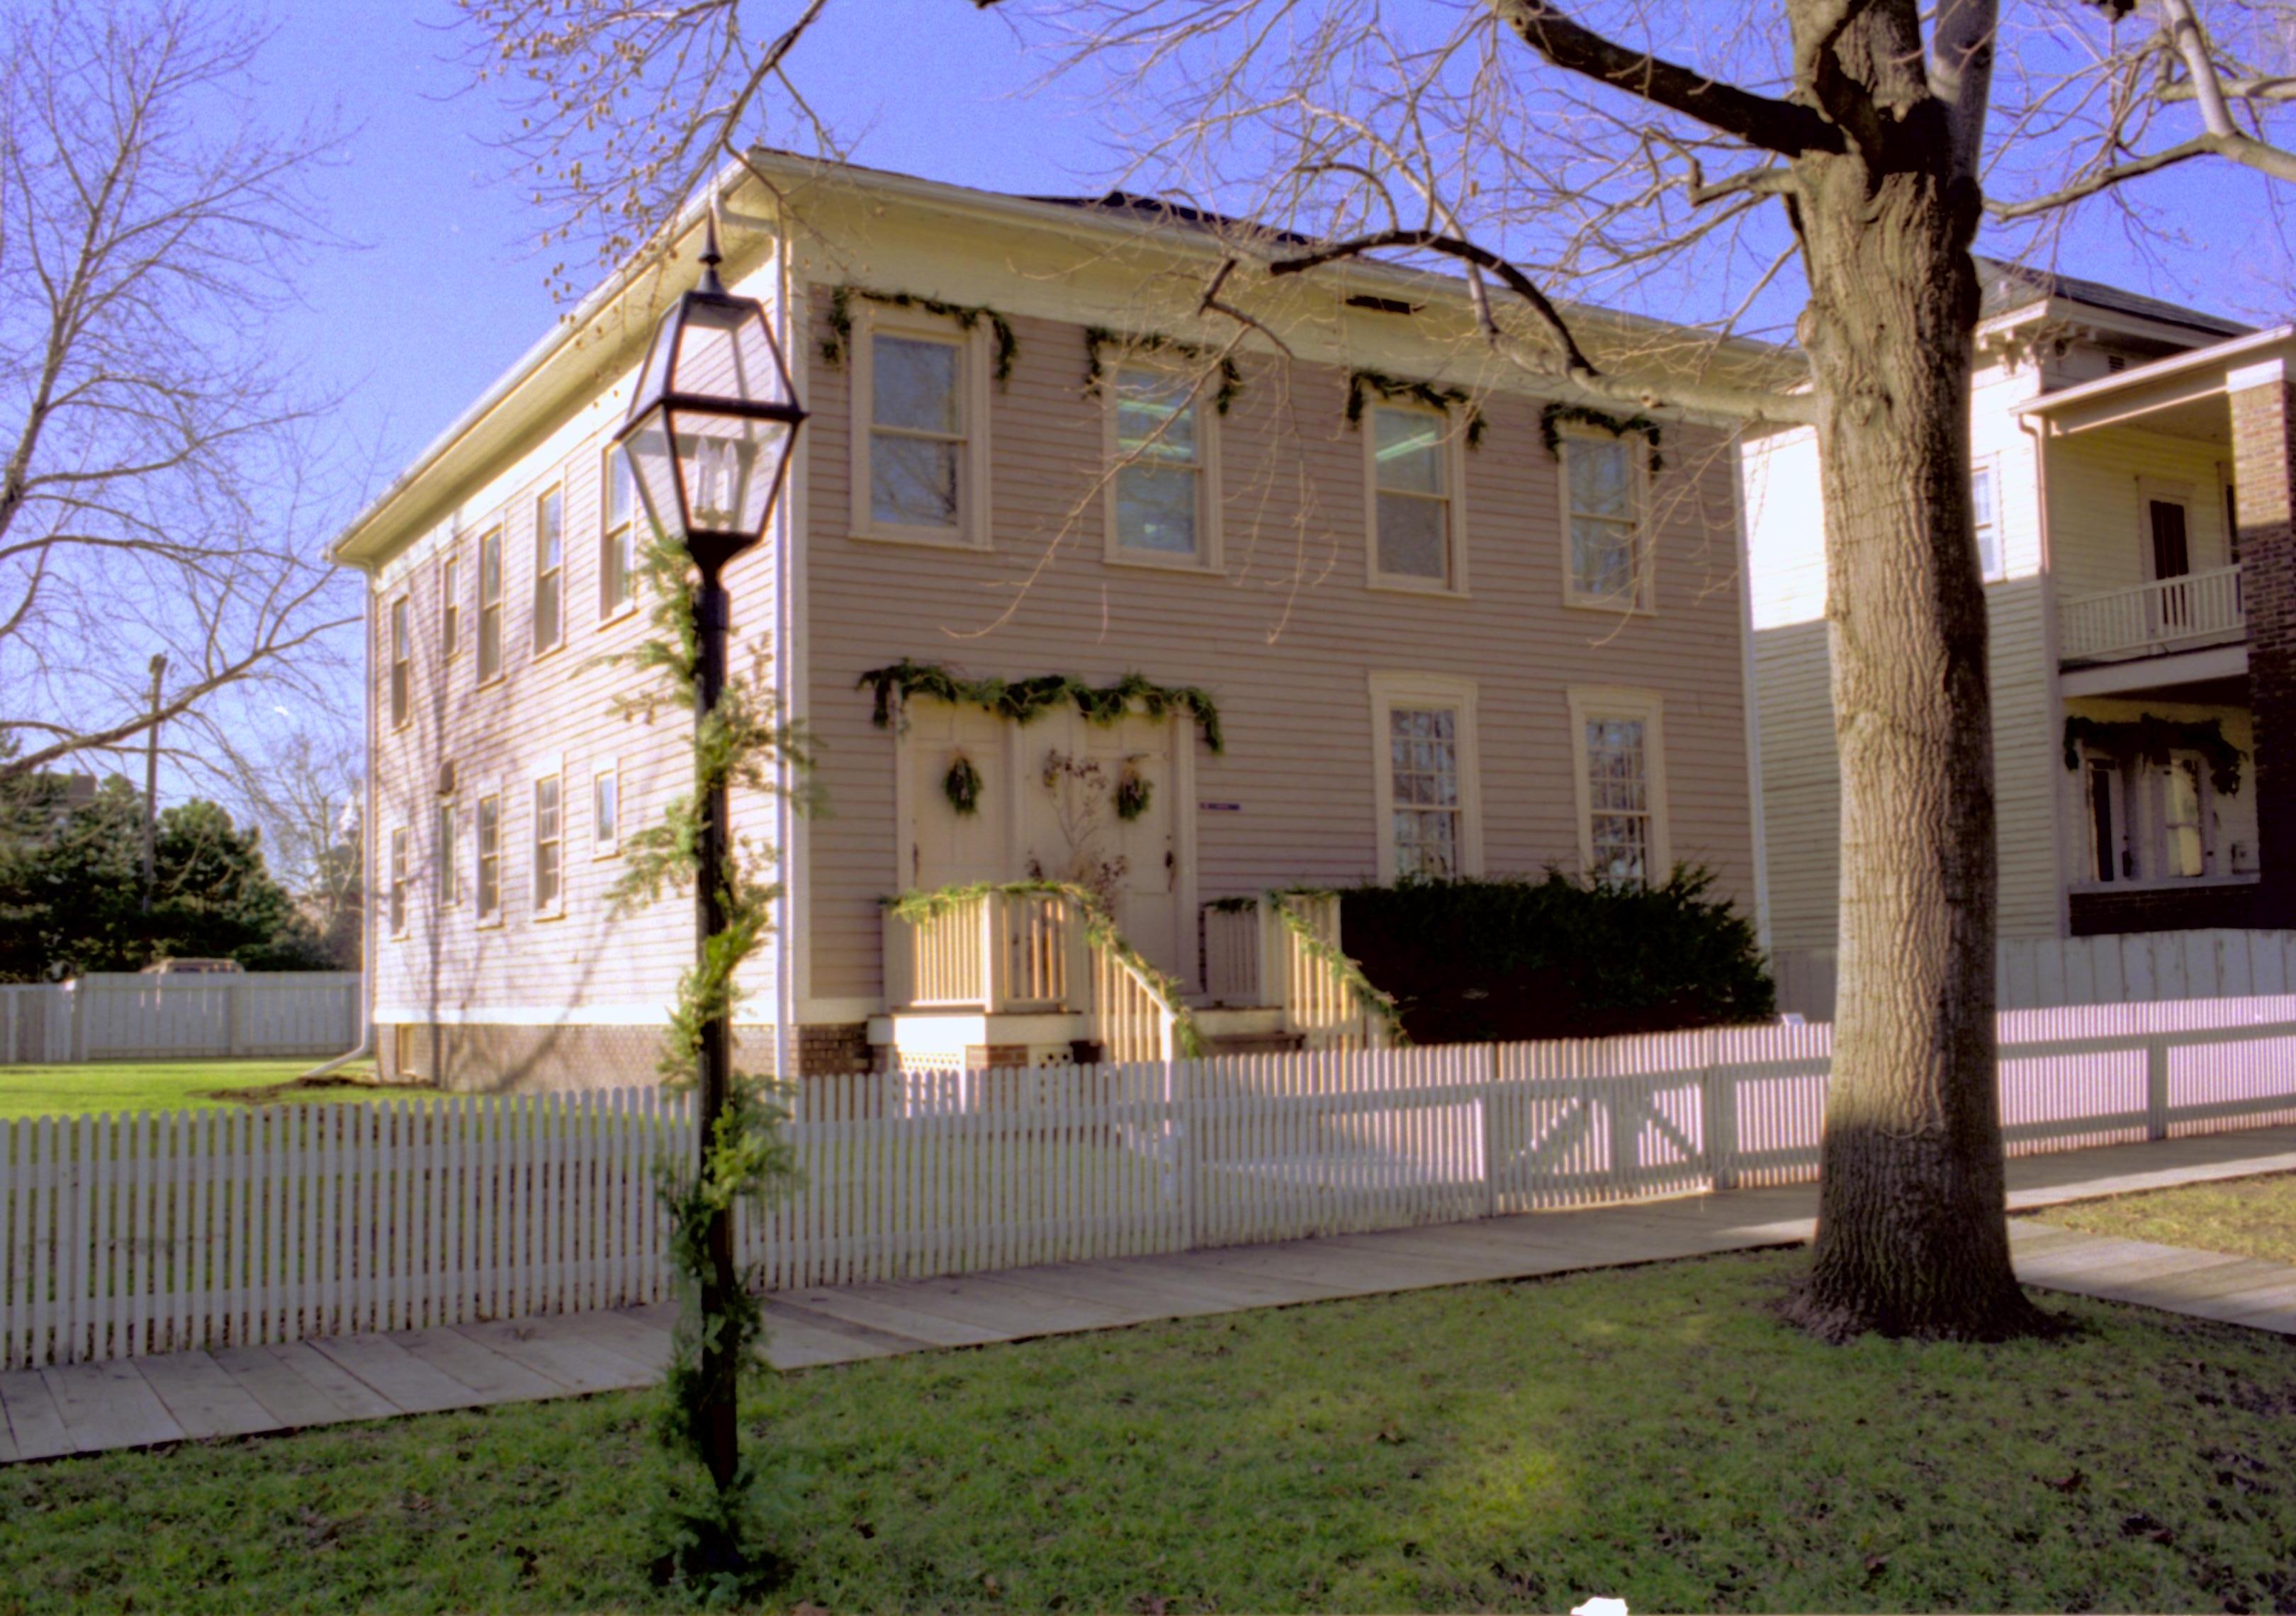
(1012,976)
(2166,617)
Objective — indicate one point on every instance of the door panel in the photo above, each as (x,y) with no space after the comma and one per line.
(945,848)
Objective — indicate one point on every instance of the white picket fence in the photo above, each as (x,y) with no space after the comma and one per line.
(2041,973)
(121,1235)
(130,1016)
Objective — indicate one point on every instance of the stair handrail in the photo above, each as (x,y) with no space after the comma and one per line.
(1383,1020)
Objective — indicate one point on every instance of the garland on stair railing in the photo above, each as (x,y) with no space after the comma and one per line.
(833,346)
(1098,337)
(1440,398)
(1617,426)
(1025,699)
(2153,738)
(711,1539)
(1377,1006)
(924,905)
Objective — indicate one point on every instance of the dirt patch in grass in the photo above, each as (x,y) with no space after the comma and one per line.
(1652,1433)
(2237,1217)
(330,1086)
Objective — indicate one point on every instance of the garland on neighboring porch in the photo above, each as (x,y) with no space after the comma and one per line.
(967,316)
(1379,1007)
(710,1538)
(1097,337)
(1442,398)
(1617,426)
(2153,738)
(922,907)
(1024,700)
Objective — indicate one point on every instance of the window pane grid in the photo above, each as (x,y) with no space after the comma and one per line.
(618,549)
(1158,494)
(491,589)
(450,616)
(546,844)
(1618,798)
(450,881)
(549,556)
(489,855)
(397,881)
(605,810)
(1601,480)
(1424,778)
(916,431)
(1412,509)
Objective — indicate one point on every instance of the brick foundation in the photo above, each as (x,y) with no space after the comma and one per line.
(2161,909)
(833,1047)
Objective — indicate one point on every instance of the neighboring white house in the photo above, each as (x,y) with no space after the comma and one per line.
(2132,533)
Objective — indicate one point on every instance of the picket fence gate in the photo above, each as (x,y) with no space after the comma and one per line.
(121,1235)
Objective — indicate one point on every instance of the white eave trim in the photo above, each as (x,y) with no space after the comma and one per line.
(2224,357)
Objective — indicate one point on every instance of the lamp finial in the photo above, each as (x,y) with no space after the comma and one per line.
(710,256)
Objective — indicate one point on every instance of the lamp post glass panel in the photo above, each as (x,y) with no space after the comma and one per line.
(708,435)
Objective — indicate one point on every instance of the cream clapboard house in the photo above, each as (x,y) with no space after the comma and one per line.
(1446,629)
(2131,481)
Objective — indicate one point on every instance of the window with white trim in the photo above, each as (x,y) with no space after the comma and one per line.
(617,556)
(1602,493)
(402,663)
(490,605)
(1413,520)
(549,846)
(1159,502)
(450,607)
(2184,817)
(398,882)
(549,570)
(488,838)
(450,869)
(606,811)
(916,441)
(1423,753)
(1617,746)
(1992,562)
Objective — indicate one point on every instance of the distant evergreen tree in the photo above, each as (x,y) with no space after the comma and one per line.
(73,901)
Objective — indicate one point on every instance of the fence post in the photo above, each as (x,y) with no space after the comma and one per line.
(233,991)
(1719,1108)
(2156,1087)
(76,1036)
(1489,1108)
(1180,1091)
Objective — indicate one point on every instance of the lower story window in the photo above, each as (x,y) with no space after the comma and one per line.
(1622,830)
(490,858)
(1424,760)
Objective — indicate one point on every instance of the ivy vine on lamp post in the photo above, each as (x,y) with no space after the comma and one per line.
(709,436)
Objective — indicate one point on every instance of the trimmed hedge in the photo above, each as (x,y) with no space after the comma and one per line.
(1516,958)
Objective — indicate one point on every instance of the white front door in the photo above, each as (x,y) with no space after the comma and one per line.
(943,846)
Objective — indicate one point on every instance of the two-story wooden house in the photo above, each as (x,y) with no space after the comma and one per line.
(1446,622)
(2131,472)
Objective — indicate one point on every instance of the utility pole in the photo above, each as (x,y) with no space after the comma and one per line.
(152,786)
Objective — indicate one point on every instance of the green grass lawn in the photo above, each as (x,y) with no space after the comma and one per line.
(2239,1217)
(130,1085)
(1650,1433)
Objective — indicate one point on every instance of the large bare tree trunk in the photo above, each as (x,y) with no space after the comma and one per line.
(1912,1232)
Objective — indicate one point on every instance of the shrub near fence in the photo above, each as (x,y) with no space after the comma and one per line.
(123,1235)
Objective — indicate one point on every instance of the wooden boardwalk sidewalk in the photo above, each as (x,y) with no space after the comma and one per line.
(242,1392)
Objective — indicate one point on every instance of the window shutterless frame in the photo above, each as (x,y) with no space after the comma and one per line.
(450,605)
(1603,494)
(617,534)
(549,570)
(449,857)
(1426,763)
(547,850)
(1414,504)
(1160,442)
(490,605)
(397,893)
(1617,757)
(920,431)
(485,864)
(606,810)
(402,661)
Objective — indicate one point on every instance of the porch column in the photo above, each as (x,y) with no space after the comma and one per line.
(2264,462)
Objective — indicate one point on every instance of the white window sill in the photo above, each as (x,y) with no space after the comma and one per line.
(1151,561)
(1602,604)
(924,539)
(1389,583)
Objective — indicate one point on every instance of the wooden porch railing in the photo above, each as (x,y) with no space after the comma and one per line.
(2149,617)
(1024,949)
(1253,957)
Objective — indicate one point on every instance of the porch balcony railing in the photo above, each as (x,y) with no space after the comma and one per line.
(1252,957)
(2169,614)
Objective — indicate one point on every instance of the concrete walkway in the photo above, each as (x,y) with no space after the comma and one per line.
(246,1390)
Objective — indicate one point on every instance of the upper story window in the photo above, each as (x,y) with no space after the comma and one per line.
(1603,564)
(402,661)
(1428,805)
(1992,561)
(1622,829)
(1162,499)
(1414,518)
(618,559)
(920,462)
(450,607)
(490,600)
(549,567)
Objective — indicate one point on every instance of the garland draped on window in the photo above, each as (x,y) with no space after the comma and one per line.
(1617,426)
(1023,700)
(833,346)
(1361,383)
(1099,337)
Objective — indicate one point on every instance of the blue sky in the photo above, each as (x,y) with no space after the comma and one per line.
(445,289)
